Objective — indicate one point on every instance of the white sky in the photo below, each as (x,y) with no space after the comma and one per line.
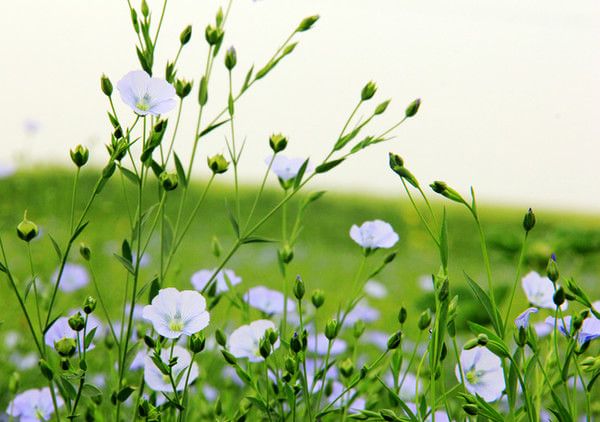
(510,89)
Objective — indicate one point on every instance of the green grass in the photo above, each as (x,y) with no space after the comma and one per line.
(325,256)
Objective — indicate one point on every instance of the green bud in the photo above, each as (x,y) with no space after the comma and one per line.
(218,407)
(331,329)
(299,288)
(66,346)
(471,344)
(215,246)
(358,329)
(46,370)
(186,35)
(290,364)
(295,343)
(394,340)
(213,35)
(80,155)
(219,16)
(444,352)
(424,320)
(77,322)
(521,337)
(470,409)
(552,269)
(318,298)
(380,109)
(397,166)
(229,358)
(443,189)
(368,91)
(529,220)
(27,230)
(84,251)
(272,336)
(218,164)
(183,88)
(482,339)
(168,181)
(89,305)
(145,9)
(278,142)
(412,108)
(286,254)
(444,290)
(13,383)
(559,296)
(264,347)
(149,341)
(106,85)
(64,364)
(307,23)
(347,367)
(402,315)
(197,342)
(220,337)
(591,364)
(230,58)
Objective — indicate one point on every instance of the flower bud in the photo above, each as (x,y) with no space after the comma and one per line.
(444,290)
(286,254)
(470,409)
(552,269)
(84,251)
(347,367)
(106,85)
(264,347)
(394,340)
(218,164)
(307,23)
(278,142)
(46,370)
(591,363)
(213,35)
(299,288)
(197,342)
(66,346)
(229,358)
(529,220)
(89,305)
(218,407)
(168,181)
(64,364)
(380,109)
(220,337)
(77,322)
(80,155)
(443,189)
(318,298)
(402,315)
(215,246)
(424,320)
(145,8)
(295,343)
(183,88)
(291,365)
(331,329)
(559,296)
(471,344)
(13,383)
(482,339)
(185,35)
(413,108)
(230,58)
(149,341)
(272,336)
(27,230)
(368,91)
(358,328)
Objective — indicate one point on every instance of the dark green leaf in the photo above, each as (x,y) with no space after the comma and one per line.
(212,127)
(325,167)
(125,263)
(125,392)
(180,170)
(485,301)
(56,247)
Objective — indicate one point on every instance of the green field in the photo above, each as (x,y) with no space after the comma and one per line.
(325,257)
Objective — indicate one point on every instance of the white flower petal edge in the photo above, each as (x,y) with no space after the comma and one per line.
(173,313)
(482,372)
(374,234)
(146,95)
(540,291)
(244,342)
(34,404)
(157,381)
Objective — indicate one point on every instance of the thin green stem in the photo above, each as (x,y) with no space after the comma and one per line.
(515,283)
(73,198)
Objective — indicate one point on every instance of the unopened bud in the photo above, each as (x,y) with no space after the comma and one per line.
(471,344)
(347,367)
(80,155)
(13,383)
(559,296)
(318,298)
(470,409)
(290,365)
(77,322)
(46,370)
(66,346)
(197,342)
(106,85)
(213,35)
(444,290)
(84,251)
(552,269)
(380,109)
(307,23)
(89,305)
(186,35)
(413,108)
(264,347)
(149,341)
(218,164)
(286,254)
(358,328)
(278,142)
(220,337)
(215,246)
(402,315)
(299,289)
(27,230)
(230,58)
(368,91)
(229,358)
(394,340)
(482,339)
(331,329)
(443,189)
(529,220)
(424,320)
(183,88)
(295,343)
(168,181)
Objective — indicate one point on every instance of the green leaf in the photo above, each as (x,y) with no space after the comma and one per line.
(257,239)
(126,251)
(495,344)
(125,263)
(325,167)
(89,390)
(180,170)
(78,231)
(125,392)
(400,402)
(483,298)
(89,337)
(203,91)
(154,288)
(56,247)
(300,174)
(212,127)
(488,411)
(343,140)
(234,223)
(68,388)
(131,176)
(246,83)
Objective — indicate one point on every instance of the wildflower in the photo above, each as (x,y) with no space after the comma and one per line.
(74,277)
(362,312)
(286,168)
(61,329)
(200,279)
(244,342)
(318,344)
(375,289)
(173,313)
(522,321)
(590,328)
(158,381)
(268,301)
(33,405)
(482,373)
(374,234)
(540,291)
(146,95)
(542,329)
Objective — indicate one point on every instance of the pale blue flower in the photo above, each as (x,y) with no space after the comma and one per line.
(540,291)
(590,328)
(375,289)
(74,277)
(173,313)
(482,373)
(200,279)
(522,321)
(60,329)
(374,234)
(157,381)
(267,300)
(244,342)
(146,95)
(363,312)
(318,344)
(286,168)
(33,405)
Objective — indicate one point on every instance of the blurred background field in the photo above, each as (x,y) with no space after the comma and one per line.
(325,256)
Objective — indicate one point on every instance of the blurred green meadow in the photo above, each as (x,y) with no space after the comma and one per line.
(325,256)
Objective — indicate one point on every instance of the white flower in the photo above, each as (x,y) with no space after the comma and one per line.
(200,279)
(482,372)
(267,300)
(60,329)
(286,168)
(173,313)
(146,95)
(157,381)
(374,234)
(244,342)
(33,405)
(74,277)
(590,328)
(522,321)
(540,291)
(375,289)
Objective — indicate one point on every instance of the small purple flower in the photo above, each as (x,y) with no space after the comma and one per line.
(522,321)
(146,95)
(33,405)
(267,300)
(74,277)
(374,234)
